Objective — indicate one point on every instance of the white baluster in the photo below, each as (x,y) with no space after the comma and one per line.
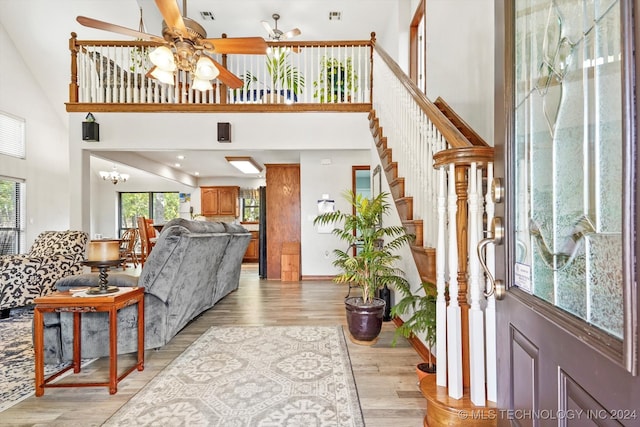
(476,317)
(441,303)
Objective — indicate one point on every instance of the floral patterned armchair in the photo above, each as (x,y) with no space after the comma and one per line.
(53,255)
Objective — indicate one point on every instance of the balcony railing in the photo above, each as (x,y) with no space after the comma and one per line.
(331,73)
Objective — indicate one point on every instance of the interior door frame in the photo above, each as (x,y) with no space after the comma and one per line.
(623,353)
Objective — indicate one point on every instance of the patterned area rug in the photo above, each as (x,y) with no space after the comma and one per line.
(16,358)
(252,376)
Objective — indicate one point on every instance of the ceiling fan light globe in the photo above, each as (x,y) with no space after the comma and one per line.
(162,57)
(206,69)
(201,84)
(163,76)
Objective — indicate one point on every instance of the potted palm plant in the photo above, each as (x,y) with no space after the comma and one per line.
(371,266)
(337,80)
(285,80)
(422,321)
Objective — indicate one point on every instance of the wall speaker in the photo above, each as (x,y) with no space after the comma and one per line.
(90,131)
(224,132)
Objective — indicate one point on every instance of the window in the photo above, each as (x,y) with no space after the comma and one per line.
(249,205)
(161,207)
(11,222)
(12,141)
(250,209)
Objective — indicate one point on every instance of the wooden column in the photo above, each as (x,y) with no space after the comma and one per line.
(462,184)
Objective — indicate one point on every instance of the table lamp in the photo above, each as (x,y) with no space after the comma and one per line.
(103,254)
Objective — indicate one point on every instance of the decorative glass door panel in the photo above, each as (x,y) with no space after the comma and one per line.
(568,154)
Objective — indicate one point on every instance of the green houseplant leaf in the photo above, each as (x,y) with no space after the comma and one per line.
(373,264)
(336,81)
(282,74)
(422,310)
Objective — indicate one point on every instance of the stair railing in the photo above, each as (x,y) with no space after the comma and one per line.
(446,175)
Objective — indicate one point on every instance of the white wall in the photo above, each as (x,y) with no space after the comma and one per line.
(317,179)
(460,51)
(104,197)
(46,164)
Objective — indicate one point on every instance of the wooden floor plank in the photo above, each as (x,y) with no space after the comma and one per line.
(385,375)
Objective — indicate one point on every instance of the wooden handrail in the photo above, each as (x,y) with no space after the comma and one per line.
(454,137)
(463,156)
(459,122)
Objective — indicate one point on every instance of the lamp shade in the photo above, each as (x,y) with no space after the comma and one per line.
(163,76)
(162,57)
(103,250)
(206,69)
(201,85)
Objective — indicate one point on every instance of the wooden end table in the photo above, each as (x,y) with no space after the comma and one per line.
(60,302)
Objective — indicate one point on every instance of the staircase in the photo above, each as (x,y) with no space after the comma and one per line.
(437,168)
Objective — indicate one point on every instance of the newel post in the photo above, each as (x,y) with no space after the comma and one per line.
(73,85)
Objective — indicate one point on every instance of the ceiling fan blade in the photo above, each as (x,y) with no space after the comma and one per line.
(291,33)
(106,26)
(239,45)
(267,27)
(171,15)
(227,77)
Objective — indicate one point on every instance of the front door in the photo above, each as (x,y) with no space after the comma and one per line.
(566,141)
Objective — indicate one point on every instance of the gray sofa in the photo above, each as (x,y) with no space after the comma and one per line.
(193,265)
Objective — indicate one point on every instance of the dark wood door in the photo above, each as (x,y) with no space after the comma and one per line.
(566,140)
(283,213)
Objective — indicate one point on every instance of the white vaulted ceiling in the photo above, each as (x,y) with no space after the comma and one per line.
(40,30)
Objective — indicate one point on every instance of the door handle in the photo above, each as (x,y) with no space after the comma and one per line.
(496,237)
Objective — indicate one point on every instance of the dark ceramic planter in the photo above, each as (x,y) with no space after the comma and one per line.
(364,320)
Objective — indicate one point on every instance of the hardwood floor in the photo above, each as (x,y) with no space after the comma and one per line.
(385,375)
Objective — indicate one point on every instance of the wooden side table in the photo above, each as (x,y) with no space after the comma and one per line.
(59,302)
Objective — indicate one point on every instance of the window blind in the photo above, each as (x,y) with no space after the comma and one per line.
(12,136)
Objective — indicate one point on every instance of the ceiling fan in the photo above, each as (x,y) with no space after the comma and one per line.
(184,47)
(277,35)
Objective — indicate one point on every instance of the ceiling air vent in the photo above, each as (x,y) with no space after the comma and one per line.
(335,16)
(208,16)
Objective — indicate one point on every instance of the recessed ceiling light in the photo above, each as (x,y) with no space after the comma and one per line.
(207,15)
(180,157)
(196,173)
(177,165)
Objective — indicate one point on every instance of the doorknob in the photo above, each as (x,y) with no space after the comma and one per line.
(496,237)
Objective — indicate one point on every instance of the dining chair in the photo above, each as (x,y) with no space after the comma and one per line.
(128,244)
(146,239)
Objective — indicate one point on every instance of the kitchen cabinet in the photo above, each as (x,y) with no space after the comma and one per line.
(221,201)
(251,255)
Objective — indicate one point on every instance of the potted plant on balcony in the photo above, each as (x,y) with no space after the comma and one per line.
(285,80)
(336,82)
(422,308)
(372,265)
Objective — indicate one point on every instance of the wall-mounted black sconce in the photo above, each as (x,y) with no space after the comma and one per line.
(90,129)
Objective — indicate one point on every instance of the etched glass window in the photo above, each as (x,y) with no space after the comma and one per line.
(568,151)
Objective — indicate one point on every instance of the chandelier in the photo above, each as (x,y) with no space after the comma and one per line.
(114,176)
(186,56)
